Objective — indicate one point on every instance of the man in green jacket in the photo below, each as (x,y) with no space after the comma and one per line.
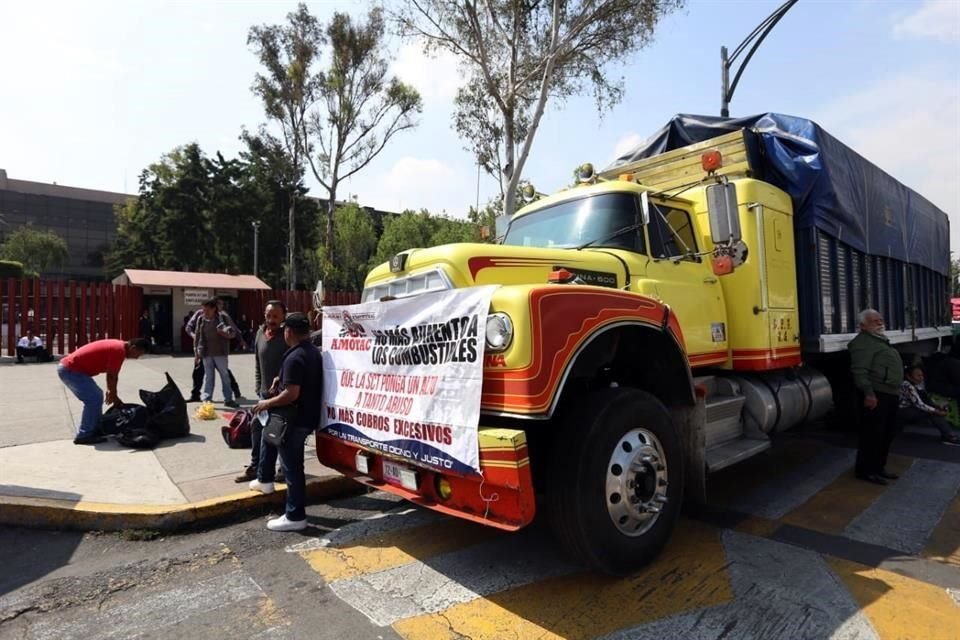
(877,373)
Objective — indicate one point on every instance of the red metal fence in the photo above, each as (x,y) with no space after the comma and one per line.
(253,302)
(66,314)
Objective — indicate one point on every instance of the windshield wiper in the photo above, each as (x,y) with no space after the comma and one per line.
(615,234)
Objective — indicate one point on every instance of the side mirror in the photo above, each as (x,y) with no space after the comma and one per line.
(644,208)
(723,213)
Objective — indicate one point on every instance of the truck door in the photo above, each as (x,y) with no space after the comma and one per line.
(685,282)
(778,277)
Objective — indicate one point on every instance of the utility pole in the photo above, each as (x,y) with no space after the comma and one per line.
(759,33)
(256,247)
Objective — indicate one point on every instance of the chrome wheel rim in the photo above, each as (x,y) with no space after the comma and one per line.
(636,487)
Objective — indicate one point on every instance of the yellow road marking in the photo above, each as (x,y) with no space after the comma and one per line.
(760,527)
(835,506)
(944,543)
(395,548)
(691,573)
(900,607)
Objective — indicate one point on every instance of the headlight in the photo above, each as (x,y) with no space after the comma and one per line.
(499,331)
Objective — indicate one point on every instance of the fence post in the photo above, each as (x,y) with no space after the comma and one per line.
(82,318)
(72,323)
(49,288)
(63,321)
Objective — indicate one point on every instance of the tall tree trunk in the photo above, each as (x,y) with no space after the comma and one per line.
(291,254)
(509,185)
(331,209)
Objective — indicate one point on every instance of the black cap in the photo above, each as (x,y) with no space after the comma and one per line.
(296,321)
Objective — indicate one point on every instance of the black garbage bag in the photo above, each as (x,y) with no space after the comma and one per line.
(139,438)
(120,418)
(167,411)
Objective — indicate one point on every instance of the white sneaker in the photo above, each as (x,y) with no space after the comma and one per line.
(282,524)
(262,487)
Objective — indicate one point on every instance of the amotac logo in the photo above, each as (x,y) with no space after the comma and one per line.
(351,327)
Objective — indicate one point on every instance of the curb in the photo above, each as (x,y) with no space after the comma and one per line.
(46,513)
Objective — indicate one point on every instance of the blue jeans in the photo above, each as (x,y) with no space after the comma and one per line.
(89,393)
(218,364)
(291,459)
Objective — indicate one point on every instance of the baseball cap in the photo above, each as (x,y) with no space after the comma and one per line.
(296,321)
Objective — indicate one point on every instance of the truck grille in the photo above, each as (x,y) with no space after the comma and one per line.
(412,285)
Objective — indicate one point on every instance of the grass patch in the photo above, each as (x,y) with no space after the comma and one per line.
(139,535)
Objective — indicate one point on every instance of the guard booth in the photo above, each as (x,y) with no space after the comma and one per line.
(171,297)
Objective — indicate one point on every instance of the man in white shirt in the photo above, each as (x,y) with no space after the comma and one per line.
(31,346)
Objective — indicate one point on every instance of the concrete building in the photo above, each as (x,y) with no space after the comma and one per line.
(84,218)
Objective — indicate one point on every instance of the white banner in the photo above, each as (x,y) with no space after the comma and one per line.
(404,377)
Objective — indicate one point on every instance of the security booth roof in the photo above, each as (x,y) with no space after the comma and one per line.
(188,279)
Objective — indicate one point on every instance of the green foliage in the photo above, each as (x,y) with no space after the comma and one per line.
(195,213)
(955,277)
(518,57)
(485,220)
(36,250)
(11,269)
(411,230)
(340,118)
(356,241)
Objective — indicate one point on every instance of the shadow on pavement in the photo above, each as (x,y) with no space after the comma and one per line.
(27,555)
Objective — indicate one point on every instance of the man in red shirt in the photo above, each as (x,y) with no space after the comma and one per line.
(78,369)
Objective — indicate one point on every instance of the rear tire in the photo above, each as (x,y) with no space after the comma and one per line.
(615,480)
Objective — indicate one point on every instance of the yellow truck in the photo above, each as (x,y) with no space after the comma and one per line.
(665,319)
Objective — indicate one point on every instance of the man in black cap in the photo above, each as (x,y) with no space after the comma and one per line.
(300,401)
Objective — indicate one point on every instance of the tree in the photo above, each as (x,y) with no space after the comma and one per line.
(412,230)
(518,55)
(288,90)
(339,119)
(195,213)
(36,250)
(955,277)
(356,241)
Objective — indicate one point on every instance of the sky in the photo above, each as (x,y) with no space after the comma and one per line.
(91,93)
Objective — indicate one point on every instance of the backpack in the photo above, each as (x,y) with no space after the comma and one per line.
(237,433)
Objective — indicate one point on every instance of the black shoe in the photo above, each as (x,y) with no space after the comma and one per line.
(233,404)
(250,473)
(874,478)
(888,475)
(194,398)
(94,439)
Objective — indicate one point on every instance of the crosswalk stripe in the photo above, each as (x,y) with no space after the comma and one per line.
(908,511)
(944,543)
(691,573)
(391,549)
(368,527)
(776,497)
(833,508)
(897,606)
(446,580)
(774,586)
(154,612)
(778,461)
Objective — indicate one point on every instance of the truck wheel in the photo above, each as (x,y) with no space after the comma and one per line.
(615,480)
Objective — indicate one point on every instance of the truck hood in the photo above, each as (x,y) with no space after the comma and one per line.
(468,264)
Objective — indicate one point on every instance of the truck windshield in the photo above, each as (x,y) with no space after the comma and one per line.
(577,222)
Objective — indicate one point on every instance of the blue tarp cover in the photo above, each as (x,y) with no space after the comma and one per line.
(834,189)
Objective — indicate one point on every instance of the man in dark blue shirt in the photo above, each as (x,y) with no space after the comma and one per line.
(301,401)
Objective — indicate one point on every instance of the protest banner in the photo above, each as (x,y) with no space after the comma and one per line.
(404,377)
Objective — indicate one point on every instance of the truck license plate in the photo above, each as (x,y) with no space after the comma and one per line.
(400,475)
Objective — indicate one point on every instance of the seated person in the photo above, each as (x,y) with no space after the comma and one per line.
(31,346)
(916,407)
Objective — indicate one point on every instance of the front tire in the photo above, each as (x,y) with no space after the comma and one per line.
(615,480)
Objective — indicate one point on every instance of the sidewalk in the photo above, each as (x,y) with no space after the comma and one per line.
(46,480)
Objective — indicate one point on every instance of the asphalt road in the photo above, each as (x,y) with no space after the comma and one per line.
(791,546)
